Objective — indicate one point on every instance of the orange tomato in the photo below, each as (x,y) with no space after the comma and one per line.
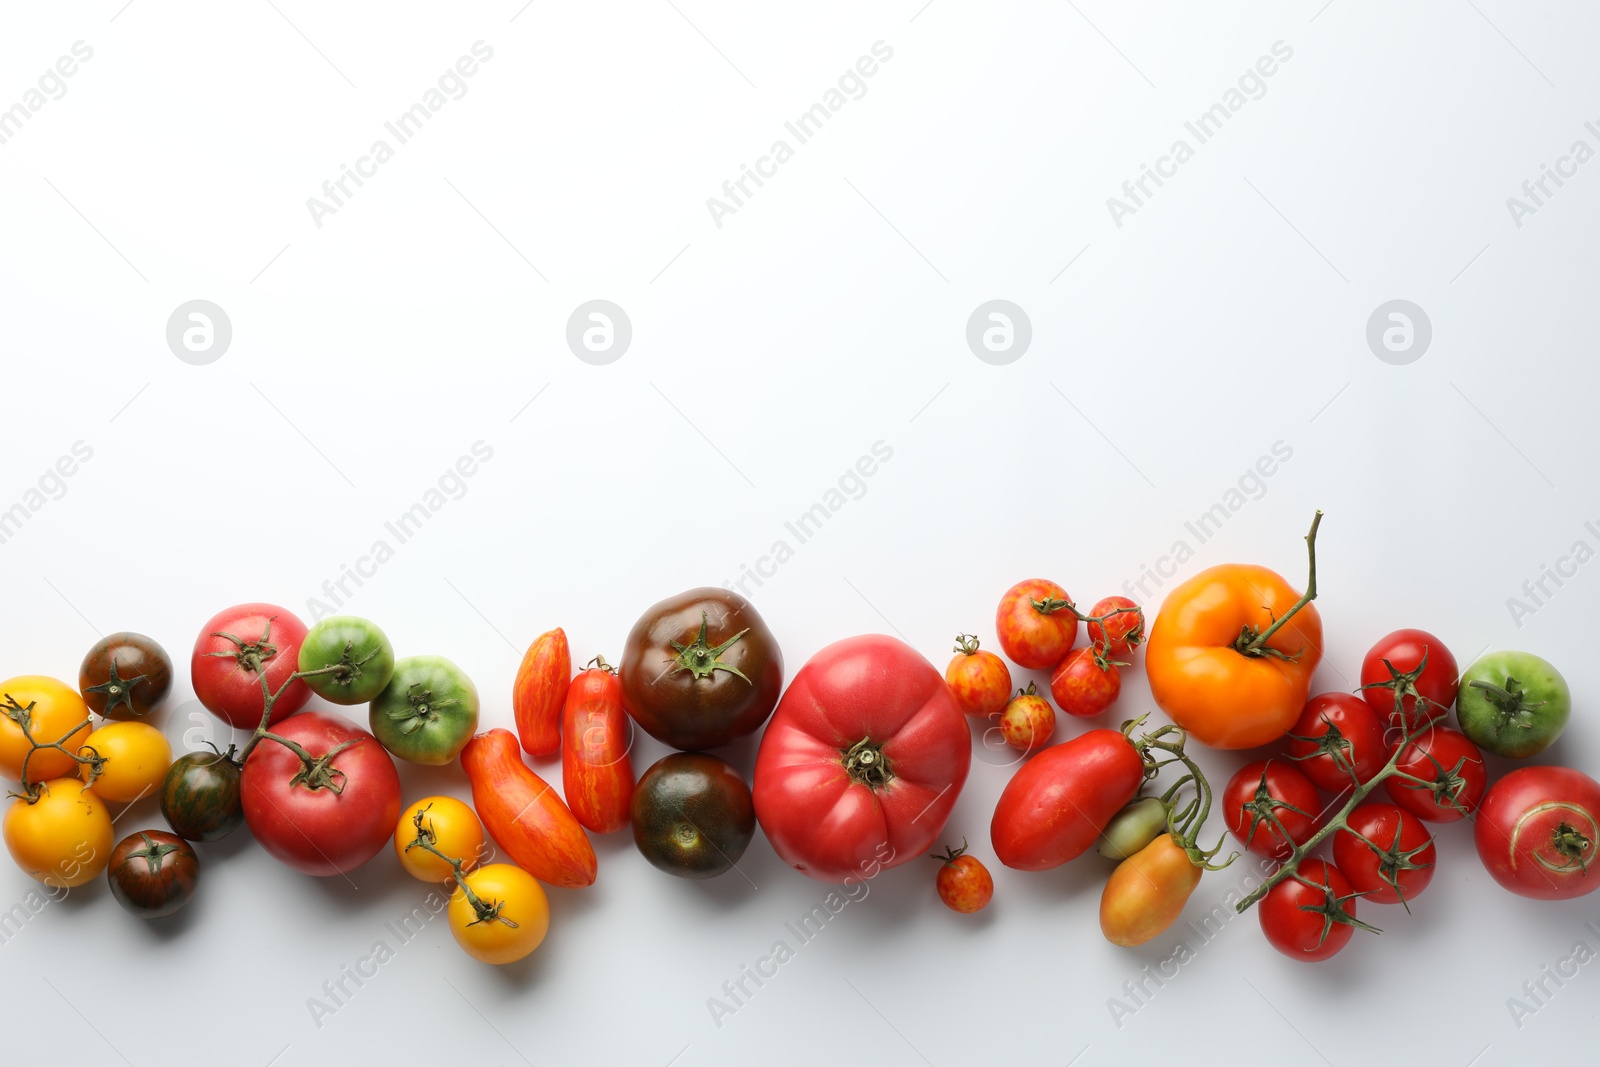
(136,756)
(64,838)
(521,914)
(50,708)
(456,832)
(540,692)
(1226,698)
(1146,893)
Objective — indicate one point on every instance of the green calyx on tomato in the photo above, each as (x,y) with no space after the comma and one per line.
(1252,641)
(428,711)
(868,764)
(251,656)
(701,660)
(346,660)
(1513,704)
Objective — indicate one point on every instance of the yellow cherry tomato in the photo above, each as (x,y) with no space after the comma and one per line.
(63,839)
(456,832)
(521,914)
(136,756)
(50,708)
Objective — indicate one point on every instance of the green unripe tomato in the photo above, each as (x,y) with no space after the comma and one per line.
(1513,704)
(359,649)
(428,711)
(1140,822)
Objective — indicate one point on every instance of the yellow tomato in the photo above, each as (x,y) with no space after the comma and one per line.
(136,756)
(64,838)
(519,900)
(456,832)
(50,708)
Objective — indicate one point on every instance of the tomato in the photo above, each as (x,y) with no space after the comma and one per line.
(1386,853)
(520,914)
(1058,802)
(979,680)
(1028,720)
(524,815)
(1085,684)
(1146,893)
(47,710)
(1140,822)
(1413,666)
(1454,770)
(540,691)
(1123,629)
(862,762)
(328,808)
(1513,704)
(239,647)
(427,712)
(1210,668)
(153,873)
(1537,831)
(1036,623)
(355,652)
(692,815)
(1313,916)
(125,676)
(964,883)
(64,838)
(701,669)
(1267,789)
(596,770)
(1337,734)
(136,757)
(449,826)
(200,796)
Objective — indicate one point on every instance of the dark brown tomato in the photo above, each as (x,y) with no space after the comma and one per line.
(200,796)
(125,676)
(153,873)
(701,670)
(692,815)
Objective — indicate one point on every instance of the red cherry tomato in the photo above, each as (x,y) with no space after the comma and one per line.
(1537,832)
(964,883)
(979,680)
(1082,686)
(235,650)
(1121,633)
(1419,669)
(1391,862)
(1454,768)
(1028,720)
(1036,624)
(1310,922)
(1337,733)
(1265,789)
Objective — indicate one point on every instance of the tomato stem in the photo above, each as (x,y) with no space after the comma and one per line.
(1183,823)
(23,717)
(967,644)
(427,840)
(1251,643)
(867,764)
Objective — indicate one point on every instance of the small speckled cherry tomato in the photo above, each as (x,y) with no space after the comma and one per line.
(980,681)
(1028,720)
(964,883)
(1123,629)
(1085,683)
(1036,624)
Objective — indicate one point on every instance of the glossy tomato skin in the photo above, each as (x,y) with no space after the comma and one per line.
(540,692)
(51,710)
(153,873)
(1121,633)
(358,647)
(1036,624)
(862,762)
(596,769)
(64,838)
(200,796)
(692,815)
(315,829)
(1058,802)
(978,679)
(1224,698)
(524,815)
(1146,893)
(427,712)
(1513,704)
(520,899)
(1404,857)
(1264,786)
(1307,935)
(1082,687)
(1337,723)
(1537,831)
(1432,757)
(1027,721)
(1436,684)
(964,884)
(701,670)
(125,676)
(450,826)
(235,649)
(136,757)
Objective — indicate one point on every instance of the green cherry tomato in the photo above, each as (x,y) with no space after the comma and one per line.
(428,711)
(1513,704)
(359,649)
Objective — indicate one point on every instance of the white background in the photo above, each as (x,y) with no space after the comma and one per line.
(768,354)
